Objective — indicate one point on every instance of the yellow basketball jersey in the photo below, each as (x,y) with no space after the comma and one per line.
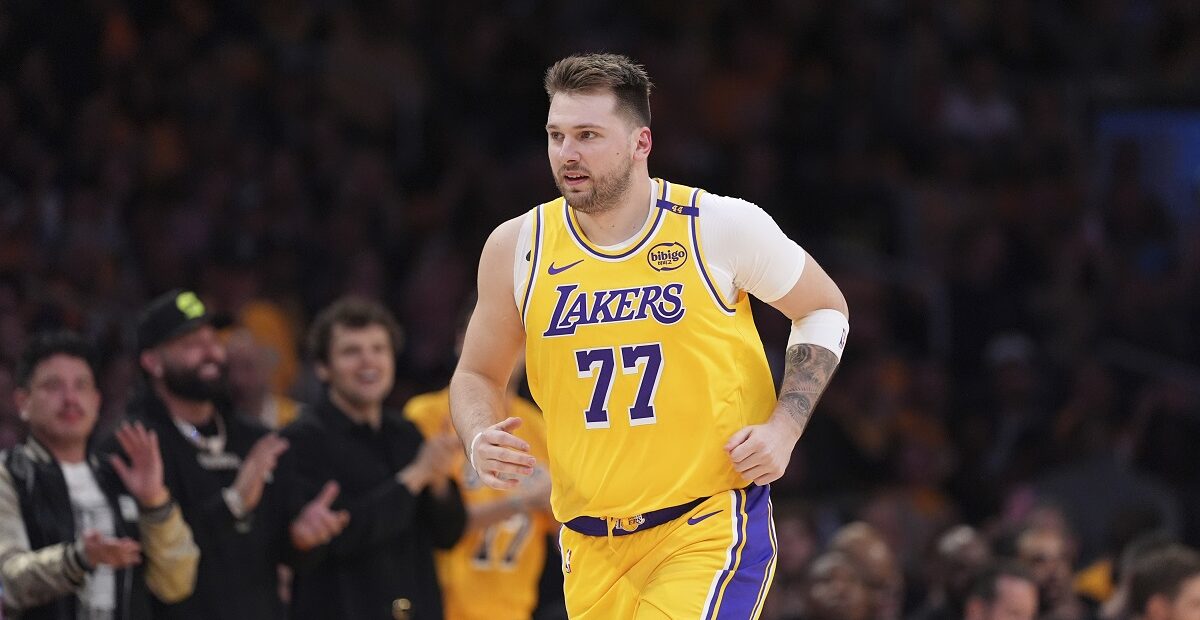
(491,573)
(641,367)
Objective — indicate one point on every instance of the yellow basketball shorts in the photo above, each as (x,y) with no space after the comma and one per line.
(714,562)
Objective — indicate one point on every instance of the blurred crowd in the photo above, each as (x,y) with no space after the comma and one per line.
(1022,356)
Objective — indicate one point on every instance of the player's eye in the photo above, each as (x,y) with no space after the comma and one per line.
(587,135)
(556,136)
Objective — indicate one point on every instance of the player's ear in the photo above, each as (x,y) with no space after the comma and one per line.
(322,372)
(642,143)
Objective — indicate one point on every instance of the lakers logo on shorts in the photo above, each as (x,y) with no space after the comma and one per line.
(631,524)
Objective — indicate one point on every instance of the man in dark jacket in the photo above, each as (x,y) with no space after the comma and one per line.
(74,529)
(1165,585)
(395,485)
(233,480)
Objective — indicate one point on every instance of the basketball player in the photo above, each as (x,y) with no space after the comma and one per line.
(630,296)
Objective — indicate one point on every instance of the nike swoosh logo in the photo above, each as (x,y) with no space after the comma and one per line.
(557,270)
(695,520)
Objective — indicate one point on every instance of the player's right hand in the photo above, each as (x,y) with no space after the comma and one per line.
(500,458)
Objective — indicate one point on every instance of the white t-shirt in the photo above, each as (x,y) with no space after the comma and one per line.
(97,599)
(744,249)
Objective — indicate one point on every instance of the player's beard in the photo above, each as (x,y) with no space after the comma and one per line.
(607,190)
(186,383)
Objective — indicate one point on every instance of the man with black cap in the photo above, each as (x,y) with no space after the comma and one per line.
(232,479)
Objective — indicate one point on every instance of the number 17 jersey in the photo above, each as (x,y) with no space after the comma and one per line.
(641,366)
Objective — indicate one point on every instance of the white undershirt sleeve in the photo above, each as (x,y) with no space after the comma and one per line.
(746,250)
(520,263)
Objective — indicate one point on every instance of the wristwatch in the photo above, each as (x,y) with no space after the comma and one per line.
(233,500)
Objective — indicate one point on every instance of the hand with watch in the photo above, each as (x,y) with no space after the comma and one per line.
(247,489)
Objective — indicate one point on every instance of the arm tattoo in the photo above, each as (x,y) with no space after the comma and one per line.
(808,370)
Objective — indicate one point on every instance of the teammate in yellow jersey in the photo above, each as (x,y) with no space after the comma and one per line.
(630,297)
(494,570)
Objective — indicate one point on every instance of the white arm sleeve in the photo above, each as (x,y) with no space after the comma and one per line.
(520,263)
(746,250)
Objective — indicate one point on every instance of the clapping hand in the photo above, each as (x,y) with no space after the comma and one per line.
(433,465)
(99,549)
(318,523)
(257,467)
(143,476)
(534,491)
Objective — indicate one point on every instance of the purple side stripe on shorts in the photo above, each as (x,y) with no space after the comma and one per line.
(748,584)
(730,561)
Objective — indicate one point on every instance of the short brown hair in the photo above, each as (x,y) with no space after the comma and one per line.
(352,312)
(585,73)
(986,585)
(1161,572)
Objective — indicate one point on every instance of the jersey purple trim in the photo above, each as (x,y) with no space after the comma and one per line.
(627,253)
(533,267)
(712,287)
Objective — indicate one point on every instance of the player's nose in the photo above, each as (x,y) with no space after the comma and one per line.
(568,151)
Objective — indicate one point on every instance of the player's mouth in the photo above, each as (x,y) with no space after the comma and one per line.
(573,179)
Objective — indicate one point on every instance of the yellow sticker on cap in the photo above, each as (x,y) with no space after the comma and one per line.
(189,305)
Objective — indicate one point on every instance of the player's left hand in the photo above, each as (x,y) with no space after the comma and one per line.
(761,452)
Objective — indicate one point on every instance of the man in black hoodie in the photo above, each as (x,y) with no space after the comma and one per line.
(396,486)
(233,480)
